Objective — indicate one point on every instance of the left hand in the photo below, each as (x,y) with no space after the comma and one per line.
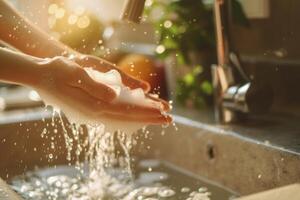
(128,80)
(67,85)
(104,66)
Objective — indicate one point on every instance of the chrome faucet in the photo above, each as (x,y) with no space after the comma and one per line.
(133,10)
(233,98)
(222,74)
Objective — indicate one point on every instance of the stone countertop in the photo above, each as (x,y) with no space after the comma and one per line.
(276,130)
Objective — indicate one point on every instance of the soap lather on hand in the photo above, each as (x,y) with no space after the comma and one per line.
(66,84)
(128,108)
(126,95)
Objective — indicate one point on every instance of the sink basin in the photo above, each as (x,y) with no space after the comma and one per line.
(211,153)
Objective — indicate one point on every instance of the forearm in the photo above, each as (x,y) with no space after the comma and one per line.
(18,68)
(17,31)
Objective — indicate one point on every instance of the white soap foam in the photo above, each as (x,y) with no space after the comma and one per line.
(113,79)
(124,95)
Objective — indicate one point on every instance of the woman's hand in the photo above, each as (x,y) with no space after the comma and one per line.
(68,82)
(61,78)
(104,66)
(61,73)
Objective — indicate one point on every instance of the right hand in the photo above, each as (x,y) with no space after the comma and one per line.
(68,82)
(103,66)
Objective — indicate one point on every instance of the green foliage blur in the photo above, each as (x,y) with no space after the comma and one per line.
(186,27)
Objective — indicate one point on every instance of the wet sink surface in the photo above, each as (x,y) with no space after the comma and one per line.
(152,179)
(218,153)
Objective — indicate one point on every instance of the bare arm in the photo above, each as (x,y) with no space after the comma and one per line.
(59,77)
(27,37)
(17,31)
(18,68)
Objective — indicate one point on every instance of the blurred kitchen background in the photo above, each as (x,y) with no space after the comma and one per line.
(172,48)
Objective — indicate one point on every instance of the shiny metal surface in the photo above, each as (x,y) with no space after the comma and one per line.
(133,10)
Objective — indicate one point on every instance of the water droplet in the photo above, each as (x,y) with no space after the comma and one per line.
(185,189)
(166,193)
(202,189)
(168,24)
(160,49)
(259,176)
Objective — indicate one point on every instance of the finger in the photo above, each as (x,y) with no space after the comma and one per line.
(166,105)
(115,108)
(162,119)
(90,106)
(131,110)
(104,66)
(94,88)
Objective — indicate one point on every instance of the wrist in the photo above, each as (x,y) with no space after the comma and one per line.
(32,73)
(18,68)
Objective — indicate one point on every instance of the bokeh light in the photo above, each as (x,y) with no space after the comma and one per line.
(83,22)
(160,49)
(72,19)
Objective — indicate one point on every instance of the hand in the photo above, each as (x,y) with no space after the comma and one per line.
(68,83)
(59,74)
(104,66)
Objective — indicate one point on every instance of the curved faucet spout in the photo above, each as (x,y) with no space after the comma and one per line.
(133,10)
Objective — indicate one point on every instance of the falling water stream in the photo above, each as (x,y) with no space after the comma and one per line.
(105,175)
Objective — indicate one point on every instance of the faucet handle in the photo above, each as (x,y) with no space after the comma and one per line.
(133,10)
